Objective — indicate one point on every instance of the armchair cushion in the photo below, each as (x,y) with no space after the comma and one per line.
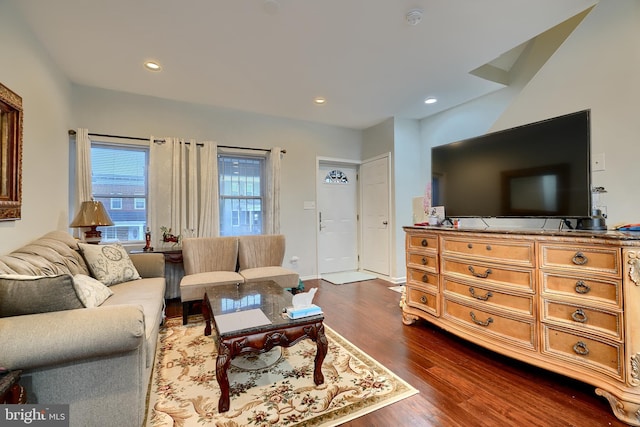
(192,285)
(21,295)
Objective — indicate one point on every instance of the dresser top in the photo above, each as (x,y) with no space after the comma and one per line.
(628,237)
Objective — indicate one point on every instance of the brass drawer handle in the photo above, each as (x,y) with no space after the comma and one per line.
(424,260)
(480,322)
(582,288)
(425,278)
(480,275)
(581,348)
(484,297)
(579,316)
(424,242)
(579,259)
(423,299)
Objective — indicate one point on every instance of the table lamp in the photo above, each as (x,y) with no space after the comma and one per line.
(91,214)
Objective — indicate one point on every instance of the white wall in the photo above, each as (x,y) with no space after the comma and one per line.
(28,71)
(597,67)
(109,112)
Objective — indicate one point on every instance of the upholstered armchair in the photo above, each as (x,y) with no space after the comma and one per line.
(208,261)
(260,258)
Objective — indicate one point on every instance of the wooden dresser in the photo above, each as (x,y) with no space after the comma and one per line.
(566,301)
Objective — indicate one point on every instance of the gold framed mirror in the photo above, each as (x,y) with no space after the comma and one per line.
(10,155)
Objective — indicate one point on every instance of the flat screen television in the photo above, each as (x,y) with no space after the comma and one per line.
(541,169)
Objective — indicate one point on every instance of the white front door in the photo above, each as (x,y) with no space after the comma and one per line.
(337,218)
(374,177)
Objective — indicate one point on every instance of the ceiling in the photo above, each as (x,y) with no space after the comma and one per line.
(274,57)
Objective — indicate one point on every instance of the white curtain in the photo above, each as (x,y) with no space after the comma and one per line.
(83,190)
(272,198)
(194,188)
(153,189)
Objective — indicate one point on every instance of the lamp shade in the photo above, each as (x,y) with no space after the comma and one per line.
(91,213)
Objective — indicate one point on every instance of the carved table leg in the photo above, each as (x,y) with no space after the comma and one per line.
(322,345)
(206,313)
(222,365)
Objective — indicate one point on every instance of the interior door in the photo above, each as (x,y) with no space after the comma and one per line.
(374,177)
(337,218)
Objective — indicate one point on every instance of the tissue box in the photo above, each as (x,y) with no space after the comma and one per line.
(308,310)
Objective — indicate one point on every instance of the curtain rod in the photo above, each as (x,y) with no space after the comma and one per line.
(162,141)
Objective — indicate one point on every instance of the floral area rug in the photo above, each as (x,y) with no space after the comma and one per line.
(270,389)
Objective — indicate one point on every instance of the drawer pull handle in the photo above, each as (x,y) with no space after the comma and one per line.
(579,316)
(424,260)
(469,245)
(423,299)
(579,259)
(582,288)
(480,275)
(425,278)
(424,242)
(581,348)
(480,322)
(488,247)
(484,297)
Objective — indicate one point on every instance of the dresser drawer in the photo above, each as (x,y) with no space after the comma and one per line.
(423,261)
(578,349)
(512,252)
(422,299)
(423,278)
(422,241)
(602,322)
(583,287)
(518,332)
(480,272)
(581,258)
(483,296)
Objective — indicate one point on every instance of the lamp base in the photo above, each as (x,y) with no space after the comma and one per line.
(93,235)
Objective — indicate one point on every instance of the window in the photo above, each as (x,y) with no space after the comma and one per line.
(241,180)
(119,180)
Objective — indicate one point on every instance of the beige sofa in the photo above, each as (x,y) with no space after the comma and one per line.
(97,360)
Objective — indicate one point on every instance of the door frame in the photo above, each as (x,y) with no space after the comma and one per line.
(347,162)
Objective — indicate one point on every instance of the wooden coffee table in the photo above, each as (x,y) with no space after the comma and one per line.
(234,312)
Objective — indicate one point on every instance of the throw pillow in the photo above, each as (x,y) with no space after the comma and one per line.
(110,264)
(21,294)
(91,292)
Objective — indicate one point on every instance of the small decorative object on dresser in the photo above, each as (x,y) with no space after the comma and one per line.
(566,301)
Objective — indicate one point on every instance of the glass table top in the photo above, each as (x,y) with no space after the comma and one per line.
(268,297)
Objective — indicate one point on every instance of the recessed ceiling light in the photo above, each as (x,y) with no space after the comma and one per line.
(320,100)
(430,100)
(152,66)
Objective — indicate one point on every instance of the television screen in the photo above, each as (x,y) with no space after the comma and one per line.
(541,169)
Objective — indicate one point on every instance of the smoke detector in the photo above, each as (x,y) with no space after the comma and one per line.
(414,16)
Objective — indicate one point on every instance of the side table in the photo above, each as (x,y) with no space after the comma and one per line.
(11,391)
(173,270)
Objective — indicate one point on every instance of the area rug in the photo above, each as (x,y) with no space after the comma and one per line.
(347,277)
(276,390)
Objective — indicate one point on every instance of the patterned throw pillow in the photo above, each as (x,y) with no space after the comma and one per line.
(110,264)
(91,292)
(20,294)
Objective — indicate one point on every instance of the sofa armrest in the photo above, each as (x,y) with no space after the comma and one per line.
(60,337)
(149,265)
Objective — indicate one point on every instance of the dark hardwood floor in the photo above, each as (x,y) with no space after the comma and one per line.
(460,384)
